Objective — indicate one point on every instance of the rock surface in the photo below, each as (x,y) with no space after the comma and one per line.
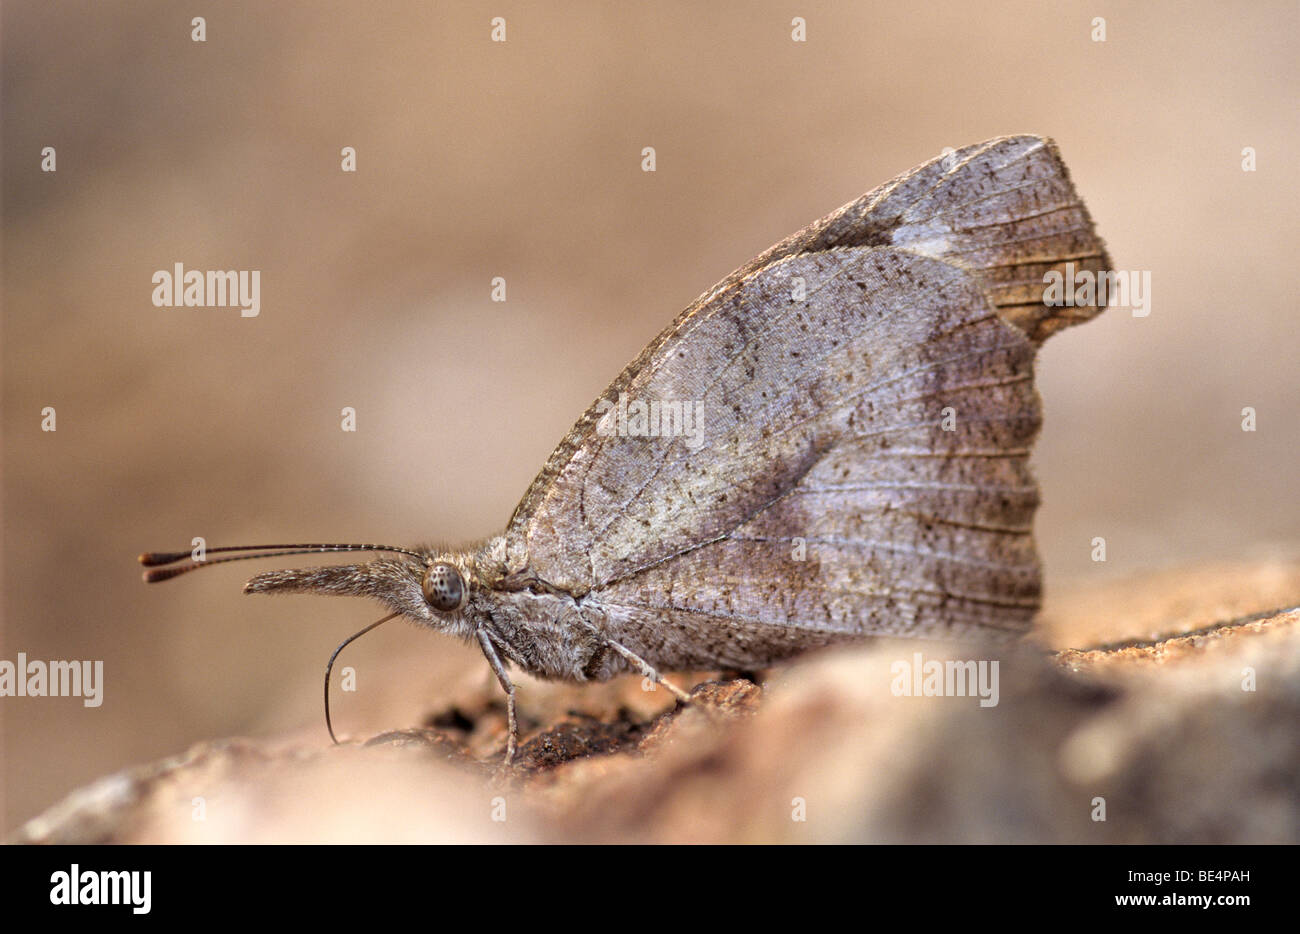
(1180,729)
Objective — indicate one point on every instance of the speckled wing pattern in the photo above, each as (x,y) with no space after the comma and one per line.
(868,408)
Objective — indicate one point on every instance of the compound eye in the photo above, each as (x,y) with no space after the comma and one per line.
(444,588)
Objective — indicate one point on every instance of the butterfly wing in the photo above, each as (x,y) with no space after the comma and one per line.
(867,408)
(1005,209)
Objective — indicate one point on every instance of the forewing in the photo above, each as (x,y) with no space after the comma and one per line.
(1006,209)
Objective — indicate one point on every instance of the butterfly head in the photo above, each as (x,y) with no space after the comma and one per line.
(428,586)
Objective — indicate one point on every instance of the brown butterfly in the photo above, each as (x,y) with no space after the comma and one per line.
(830,444)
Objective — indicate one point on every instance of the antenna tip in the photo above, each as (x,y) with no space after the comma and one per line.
(154,575)
(152,559)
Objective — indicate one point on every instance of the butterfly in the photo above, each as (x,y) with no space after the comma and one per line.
(830,444)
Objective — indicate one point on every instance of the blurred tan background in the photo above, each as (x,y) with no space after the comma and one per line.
(522,160)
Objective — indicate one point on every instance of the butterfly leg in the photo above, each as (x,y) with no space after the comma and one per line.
(648,671)
(490,653)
